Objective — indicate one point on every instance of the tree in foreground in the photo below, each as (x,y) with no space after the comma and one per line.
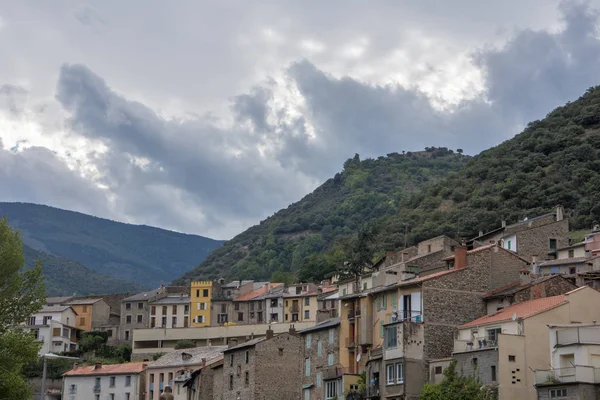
(458,387)
(21,295)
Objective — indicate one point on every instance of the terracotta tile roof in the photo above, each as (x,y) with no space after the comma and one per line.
(112,369)
(327,289)
(525,309)
(258,292)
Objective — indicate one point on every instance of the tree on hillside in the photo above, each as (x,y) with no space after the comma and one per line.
(185,344)
(458,387)
(21,295)
(362,249)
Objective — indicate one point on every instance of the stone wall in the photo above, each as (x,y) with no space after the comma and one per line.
(318,364)
(205,384)
(279,368)
(218,383)
(551,287)
(536,241)
(478,363)
(505,267)
(574,391)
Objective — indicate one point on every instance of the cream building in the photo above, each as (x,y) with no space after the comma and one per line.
(54,327)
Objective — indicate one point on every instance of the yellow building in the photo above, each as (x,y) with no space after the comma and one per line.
(200,295)
(300,303)
(91,313)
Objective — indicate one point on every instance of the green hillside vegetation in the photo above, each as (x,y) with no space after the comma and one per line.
(63,277)
(140,254)
(365,191)
(553,161)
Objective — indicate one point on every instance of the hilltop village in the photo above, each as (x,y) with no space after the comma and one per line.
(516,307)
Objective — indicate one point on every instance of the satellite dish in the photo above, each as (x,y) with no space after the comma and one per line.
(358,357)
(514,317)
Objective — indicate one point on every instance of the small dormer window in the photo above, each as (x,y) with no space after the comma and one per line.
(186,356)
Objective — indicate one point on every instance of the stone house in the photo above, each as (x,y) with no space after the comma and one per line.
(414,320)
(323,373)
(223,310)
(251,308)
(115,381)
(529,238)
(175,365)
(506,348)
(267,368)
(198,385)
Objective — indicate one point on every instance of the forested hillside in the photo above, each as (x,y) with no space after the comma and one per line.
(138,254)
(364,191)
(64,277)
(553,161)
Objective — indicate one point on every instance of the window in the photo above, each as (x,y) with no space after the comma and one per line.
(307,301)
(161,377)
(164,310)
(223,308)
(251,315)
(126,335)
(230,382)
(97,397)
(400,373)
(140,306)
(365,286)
(46,319)
(240,316)
(82,320)
(174,309)
(236,307)
(128,306)
(112,396)
(557,393)
(246,356)
(73,389)
(474,362)
(151,378)
(251,306)
(127,396)
(205,293)
(438,370)
(274,317)
(330,359)
(273,303)
(492,335)
(307,314)
(306,394)
(308,340)
(571,253)
(429,248)
(319,378)
(140,318)
(112,381)
(164,322)
(391,337)
(197,292)
(259,317)
(286,317)
(512,358)
(552,244)
(294,317)
(247,378)
(390,374)
(128,380)
(572,270)
(186,321)
(330,390)
(493,368)
(170,379)
(319,348)
(153,310)
(186,309)
(307,366)
(331,335)
(174,322)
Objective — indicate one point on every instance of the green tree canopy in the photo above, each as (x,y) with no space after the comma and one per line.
(185,344)
(21,295)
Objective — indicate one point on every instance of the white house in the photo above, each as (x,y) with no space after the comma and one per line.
(106,382)
(170,312)
(54,327)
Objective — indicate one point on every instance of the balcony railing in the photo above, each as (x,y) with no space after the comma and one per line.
(371,392)
(295,308)
(97,388)
(461,346)
(335,371)
(350,342)
(578,373)
(73,390)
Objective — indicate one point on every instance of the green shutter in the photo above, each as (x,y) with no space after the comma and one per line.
(381,329)
(394,303)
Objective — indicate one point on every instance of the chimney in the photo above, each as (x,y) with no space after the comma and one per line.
(98,365)
(75,365)
(560,213)
(292,329)
(504,224)
(240,283)
(534,259)
(251,335)
(269,333)
(232,343)
(403,255)
(204,362)
(525,276)
(460,257)
(480,233)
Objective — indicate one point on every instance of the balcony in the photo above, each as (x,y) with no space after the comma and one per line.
(350,342)
(97,388)
(351,315)
(578,335)
(371,392)
(295,308)
(578,373)
(73,390)
(335,371)
(461,346)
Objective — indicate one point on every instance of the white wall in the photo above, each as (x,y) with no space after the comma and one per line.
(510,242)
(85,387)
(180,315)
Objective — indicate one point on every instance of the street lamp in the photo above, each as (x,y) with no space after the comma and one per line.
(45,357)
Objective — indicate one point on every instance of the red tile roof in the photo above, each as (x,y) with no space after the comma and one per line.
(525,309)
(258,292)
(327,289)
(112,369)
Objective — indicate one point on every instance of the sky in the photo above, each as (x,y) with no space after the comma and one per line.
(208,116)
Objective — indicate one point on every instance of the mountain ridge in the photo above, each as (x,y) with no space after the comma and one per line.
(140,254)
